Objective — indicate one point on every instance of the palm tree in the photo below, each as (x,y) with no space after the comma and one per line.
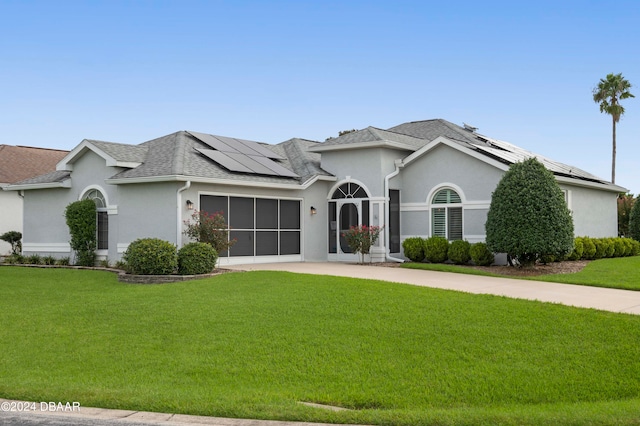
(610,91)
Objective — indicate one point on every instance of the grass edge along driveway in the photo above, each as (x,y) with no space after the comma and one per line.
(252,345)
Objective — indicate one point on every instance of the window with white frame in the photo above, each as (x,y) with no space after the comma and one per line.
(102,217)
(446,215)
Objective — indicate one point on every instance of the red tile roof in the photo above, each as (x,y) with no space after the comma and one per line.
(23,162)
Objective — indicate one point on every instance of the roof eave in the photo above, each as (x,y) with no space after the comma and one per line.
(47,185)
(605,186)
(217,181)
(363,145)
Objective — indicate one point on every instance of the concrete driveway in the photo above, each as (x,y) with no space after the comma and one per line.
(622,301)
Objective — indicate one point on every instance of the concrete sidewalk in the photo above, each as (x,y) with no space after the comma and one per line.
(622,301)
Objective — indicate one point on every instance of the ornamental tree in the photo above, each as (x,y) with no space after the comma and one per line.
(528,217)
(13,238)
(209,228)
(360,239)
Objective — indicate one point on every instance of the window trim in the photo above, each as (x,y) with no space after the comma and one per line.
(446,206)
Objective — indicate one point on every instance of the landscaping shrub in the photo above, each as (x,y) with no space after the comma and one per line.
(459,252)
(589,250)
(360,238)
(619,248)
(48,260)
(528,216)
(33,259)
(436,249)
(196,258)
(635,248)
(414,249)
(578,249)
(481,255)
(151,256)
(14,259)
(628,246)
(601,247)
(63,261)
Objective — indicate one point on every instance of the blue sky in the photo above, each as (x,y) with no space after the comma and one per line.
(130,71)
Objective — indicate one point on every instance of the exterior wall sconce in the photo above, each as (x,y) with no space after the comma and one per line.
(313,210)
(189,205)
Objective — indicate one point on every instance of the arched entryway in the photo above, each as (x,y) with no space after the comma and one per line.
(349,206)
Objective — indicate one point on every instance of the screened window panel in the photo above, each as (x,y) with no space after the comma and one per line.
(244,243)
(454,222)
(266,213)
(289,214)
(103,231)
(241,213)
(439,222)
(333,227)
(215,204)
(266,243)
(394,221)
(289,242)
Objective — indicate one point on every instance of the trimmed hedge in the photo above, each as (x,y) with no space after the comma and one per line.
(481,255)
(414,249)
(197,258)
(459,252)
(436,249)
(151,256)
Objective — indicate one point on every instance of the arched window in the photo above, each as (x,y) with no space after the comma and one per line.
(349,190)
(103,217)
(446,215)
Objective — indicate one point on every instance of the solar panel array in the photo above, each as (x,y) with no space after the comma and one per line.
(239,155)
(514,154)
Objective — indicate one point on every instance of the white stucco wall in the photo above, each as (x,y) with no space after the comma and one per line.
(10,216)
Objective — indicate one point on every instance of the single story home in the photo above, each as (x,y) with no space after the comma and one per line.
(292,201)
(18,163)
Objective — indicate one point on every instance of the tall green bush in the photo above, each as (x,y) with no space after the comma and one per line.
(209,228)
(436,249)
(196,258)
(81,219)
(151,256)
(413,248)
(528,216)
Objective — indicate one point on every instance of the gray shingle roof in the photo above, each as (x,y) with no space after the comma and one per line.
(177,155)
(373,134)
(120,151)
(52,177)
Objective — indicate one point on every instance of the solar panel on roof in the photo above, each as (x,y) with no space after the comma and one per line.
(239,155)
(225,161)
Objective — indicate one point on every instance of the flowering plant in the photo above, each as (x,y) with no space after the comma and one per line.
(209,228)
(360,239)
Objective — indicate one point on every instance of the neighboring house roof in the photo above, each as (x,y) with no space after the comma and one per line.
(23,162)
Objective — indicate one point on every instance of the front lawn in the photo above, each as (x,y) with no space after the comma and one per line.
(621,272)
(255,344)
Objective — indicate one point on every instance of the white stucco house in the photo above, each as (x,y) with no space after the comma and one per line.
(18,163)
(291,201)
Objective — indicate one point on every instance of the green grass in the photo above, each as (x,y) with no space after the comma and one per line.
(252,345)
(622,273)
